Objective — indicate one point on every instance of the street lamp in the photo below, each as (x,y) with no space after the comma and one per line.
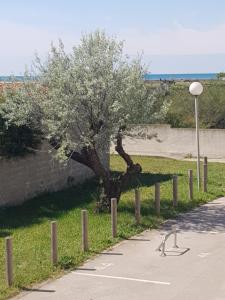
(196,89)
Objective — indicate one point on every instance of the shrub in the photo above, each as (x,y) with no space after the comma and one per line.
(16,140)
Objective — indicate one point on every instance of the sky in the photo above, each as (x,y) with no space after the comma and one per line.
(174,36)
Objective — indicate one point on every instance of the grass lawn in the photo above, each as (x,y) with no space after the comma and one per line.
(29,224)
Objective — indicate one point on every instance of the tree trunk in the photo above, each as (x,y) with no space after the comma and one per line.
(110,187)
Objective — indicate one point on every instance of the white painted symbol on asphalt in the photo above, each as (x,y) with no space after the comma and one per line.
(204,254)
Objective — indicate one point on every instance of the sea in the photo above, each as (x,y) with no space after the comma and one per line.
(188,76)
(11,78)
(150,76)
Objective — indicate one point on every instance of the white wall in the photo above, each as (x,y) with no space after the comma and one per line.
(177,142)
(24,178)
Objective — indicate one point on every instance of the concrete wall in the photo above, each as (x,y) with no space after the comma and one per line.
(179,142)
(24,178)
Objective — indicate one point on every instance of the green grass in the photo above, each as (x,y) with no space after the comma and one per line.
(29,224)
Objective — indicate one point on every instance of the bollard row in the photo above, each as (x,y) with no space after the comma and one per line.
(84,220)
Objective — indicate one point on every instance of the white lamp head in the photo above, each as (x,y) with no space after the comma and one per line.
(196,88)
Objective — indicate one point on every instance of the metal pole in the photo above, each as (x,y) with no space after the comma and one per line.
(197,142)
(174,229)
(163,248)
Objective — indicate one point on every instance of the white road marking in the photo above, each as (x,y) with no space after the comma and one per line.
(209,232)
(103,266)
(204,254)
(123,278)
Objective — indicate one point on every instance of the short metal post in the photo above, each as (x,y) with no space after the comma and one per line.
(114,217)
(54,248)
(175,190)
(190,184)
(174,229)
(163,248)
(9,260)
(84,223)
(137,206)
(157,198)
(205,174)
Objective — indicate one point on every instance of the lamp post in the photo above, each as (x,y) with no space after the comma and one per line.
(196,89)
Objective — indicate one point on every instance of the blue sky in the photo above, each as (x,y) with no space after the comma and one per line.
(175,36)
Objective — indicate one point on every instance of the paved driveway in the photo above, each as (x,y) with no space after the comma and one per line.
(134,270)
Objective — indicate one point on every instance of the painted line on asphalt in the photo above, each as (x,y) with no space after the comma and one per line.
(204,254)
(123,278)
(210,232)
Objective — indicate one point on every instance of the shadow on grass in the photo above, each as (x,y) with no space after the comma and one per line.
(49,205)
(145,179)
(4,234)
(167,211)
(53,205)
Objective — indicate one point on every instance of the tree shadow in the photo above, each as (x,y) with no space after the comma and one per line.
(145,179)
(206,219)
(52,205)
(37,290)
(4,234)
(47,206)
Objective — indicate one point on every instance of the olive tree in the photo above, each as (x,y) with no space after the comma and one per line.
(85,99)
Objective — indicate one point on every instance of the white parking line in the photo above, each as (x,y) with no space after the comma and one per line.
(123,278)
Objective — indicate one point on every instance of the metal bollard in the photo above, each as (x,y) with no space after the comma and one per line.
(163,248)
(174,229)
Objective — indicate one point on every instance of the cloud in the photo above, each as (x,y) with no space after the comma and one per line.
(19,42)
(176,41)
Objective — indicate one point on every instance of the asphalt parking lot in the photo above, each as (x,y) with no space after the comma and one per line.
(134,269)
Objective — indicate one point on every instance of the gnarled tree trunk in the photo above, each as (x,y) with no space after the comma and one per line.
(111,187)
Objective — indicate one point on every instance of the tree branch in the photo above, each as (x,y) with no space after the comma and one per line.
(119,149)
(74,155)
(132,169)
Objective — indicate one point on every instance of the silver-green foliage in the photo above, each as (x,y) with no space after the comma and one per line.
(79,98)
